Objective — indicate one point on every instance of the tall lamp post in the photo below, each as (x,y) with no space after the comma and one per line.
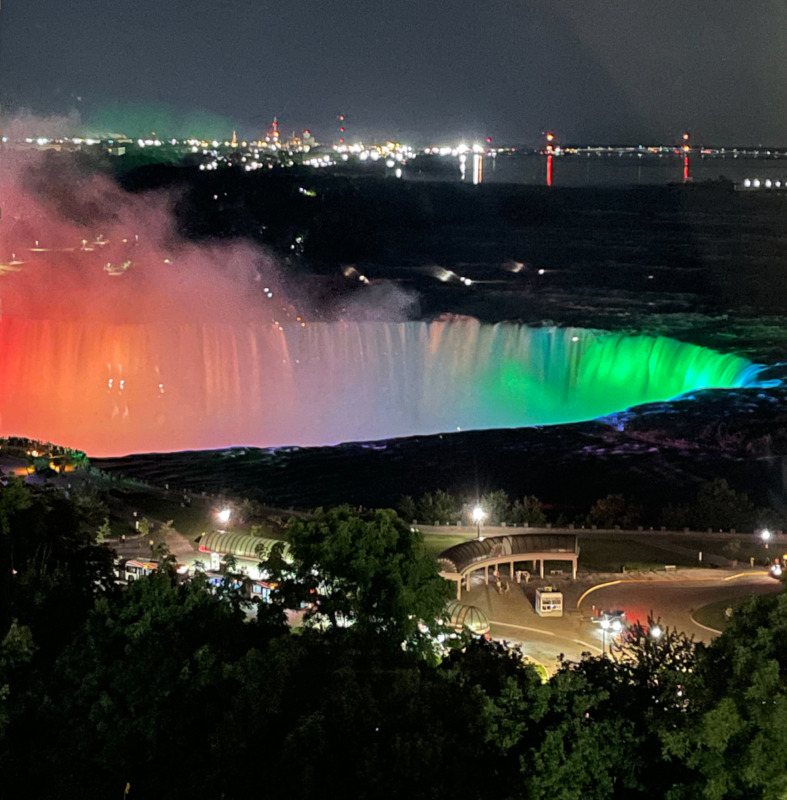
(223,517)
(478,518)
(614,625)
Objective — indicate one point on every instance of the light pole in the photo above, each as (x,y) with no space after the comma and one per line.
(223,517)
(616,626)
(478,518)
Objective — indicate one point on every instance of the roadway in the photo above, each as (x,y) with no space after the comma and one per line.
(674,601)
(513,618)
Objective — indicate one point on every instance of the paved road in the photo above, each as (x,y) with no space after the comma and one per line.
(673,601)
(513,618)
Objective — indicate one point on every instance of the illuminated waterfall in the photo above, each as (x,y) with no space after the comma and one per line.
(116,389)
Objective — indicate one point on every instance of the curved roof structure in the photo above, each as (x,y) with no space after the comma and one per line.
(241,545)
(464,616)
(466,555)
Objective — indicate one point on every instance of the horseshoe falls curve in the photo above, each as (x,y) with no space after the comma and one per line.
(115,389)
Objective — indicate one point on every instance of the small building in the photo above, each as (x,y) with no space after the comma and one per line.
(549,602)
(458,563)
(463,616)
(241,545)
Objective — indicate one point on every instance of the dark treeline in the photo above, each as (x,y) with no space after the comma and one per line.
(717,506)
(175,690)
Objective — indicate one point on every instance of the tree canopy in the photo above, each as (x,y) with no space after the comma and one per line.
(370,570)
(181,691)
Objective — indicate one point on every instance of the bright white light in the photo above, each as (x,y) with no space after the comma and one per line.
(747,183)
(756,183)
(604,623)
(768,183)
(766,535)
(617,626)
(655,632)
(478,515)
(223,516)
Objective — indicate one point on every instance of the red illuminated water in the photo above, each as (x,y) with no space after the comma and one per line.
(112,389)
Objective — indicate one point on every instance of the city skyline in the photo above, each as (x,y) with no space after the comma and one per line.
(626,72)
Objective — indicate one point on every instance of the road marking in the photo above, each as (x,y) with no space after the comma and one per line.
(593,589)
(521,628)
(706,627)
(587,644)
(664,580)
(545,633)
(742,575)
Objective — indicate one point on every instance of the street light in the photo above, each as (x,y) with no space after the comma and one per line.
(655,632)
(478,518)
(223,517)
(614,625)
(765,535)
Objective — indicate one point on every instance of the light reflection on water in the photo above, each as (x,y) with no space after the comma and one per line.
(613,170)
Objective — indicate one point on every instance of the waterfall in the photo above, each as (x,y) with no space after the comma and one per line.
(114,389)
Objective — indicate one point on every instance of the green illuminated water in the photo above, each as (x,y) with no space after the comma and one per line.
(554,375)
(145,387)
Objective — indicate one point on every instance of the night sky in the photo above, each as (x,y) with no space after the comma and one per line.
(594,70)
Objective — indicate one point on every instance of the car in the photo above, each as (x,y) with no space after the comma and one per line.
(609,617)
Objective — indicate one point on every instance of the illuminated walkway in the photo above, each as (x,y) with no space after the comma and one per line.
(458,563)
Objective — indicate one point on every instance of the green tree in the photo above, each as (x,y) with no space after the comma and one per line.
(371,570)
(249,509)
(612,510)
(144,527)
(147,672)
(40,463)
(162,554)
(735,735)
(16,653)
(104,531)
(230,564)
(497,507)
(528,510)
(407,508)
(14,498)
(439,508)
(56,569)
(721,507)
